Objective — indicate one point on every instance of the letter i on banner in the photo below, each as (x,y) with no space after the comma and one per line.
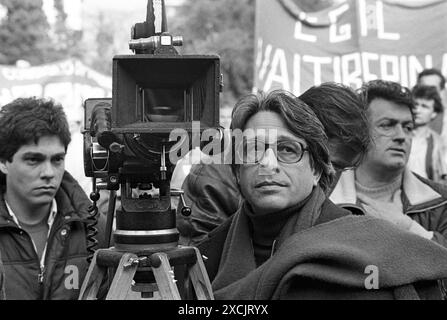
(362,17)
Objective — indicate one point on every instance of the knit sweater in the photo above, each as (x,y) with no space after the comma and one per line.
(382,193)
(388,193)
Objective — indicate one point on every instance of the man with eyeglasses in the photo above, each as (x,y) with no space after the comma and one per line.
(211,189)
(383,184)
(288,240)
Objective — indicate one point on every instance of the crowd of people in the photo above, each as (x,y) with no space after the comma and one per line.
(347,200)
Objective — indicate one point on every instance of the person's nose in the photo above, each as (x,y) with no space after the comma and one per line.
(268,163)
(416,109)
(400,134)
(47,170)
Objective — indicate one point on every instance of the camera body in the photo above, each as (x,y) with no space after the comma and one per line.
(153,95)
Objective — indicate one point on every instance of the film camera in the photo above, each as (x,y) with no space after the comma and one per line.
(127,137)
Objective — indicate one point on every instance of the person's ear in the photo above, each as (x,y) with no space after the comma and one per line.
(316,178)
(433,115)
(3,167)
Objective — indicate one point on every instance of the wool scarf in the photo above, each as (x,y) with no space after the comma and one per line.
(238,256)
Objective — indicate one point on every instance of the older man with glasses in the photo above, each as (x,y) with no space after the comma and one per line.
(288,240)
(211,189)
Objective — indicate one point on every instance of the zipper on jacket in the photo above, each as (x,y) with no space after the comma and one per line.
(50,240)
(41,275)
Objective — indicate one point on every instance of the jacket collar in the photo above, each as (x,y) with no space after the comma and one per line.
(416,191)
(51,216)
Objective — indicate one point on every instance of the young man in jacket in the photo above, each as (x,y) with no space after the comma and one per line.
(43,210)
(434,78)
(288,240)
(383,184)
(428,156)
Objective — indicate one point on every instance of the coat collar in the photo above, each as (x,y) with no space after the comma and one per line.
(51,216)
(416,191)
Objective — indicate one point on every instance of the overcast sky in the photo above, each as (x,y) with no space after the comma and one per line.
(122,4)
(116,4)
(78,8)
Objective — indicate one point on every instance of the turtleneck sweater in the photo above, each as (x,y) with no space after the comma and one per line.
(267,227)
(384,195)
(390,193)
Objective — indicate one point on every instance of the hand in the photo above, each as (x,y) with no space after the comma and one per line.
(390,211)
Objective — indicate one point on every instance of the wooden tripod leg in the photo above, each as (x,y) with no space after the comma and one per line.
(122,281)
(200,280)
(164,277)
(92,280)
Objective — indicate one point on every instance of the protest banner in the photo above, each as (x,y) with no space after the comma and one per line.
(68,82)
(350,41)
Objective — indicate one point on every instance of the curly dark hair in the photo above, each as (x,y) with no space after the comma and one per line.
(431,72)
(387,90)
(26,120)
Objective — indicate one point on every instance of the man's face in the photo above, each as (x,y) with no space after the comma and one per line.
(392,127)
(35,172)
(271,185)
(424,111)
(431,80)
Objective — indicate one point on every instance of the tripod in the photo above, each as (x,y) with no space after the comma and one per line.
(146,244)
(146,270)
(158,263)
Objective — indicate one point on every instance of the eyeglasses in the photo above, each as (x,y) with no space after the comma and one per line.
(253,151)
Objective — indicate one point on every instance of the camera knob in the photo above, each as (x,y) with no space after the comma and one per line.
(94,196)
(186,211)
(116,147)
